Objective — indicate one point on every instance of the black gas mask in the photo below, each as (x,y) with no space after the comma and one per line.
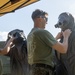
(18,34)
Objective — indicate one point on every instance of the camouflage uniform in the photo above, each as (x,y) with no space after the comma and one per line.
(40,71)
(39,52)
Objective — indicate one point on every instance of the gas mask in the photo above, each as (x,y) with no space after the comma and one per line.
(65,21)
(19,34)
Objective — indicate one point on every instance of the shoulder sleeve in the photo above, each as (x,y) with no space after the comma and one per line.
(46,37)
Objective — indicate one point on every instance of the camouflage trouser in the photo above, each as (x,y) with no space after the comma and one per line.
(40,71)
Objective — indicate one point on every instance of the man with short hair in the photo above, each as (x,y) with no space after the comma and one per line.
(40,43)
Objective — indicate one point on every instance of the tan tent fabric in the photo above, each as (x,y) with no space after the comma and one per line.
(3,2)
(12,7)
(7,6)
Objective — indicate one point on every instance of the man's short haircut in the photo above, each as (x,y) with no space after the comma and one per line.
(38,13)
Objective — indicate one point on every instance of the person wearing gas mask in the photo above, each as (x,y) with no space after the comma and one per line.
(16,49)
(66,21)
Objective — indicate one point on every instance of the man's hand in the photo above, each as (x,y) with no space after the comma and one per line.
(66,33)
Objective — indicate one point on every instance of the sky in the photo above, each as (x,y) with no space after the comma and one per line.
(21,19)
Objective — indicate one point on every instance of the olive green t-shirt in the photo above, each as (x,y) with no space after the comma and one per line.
(39,43)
